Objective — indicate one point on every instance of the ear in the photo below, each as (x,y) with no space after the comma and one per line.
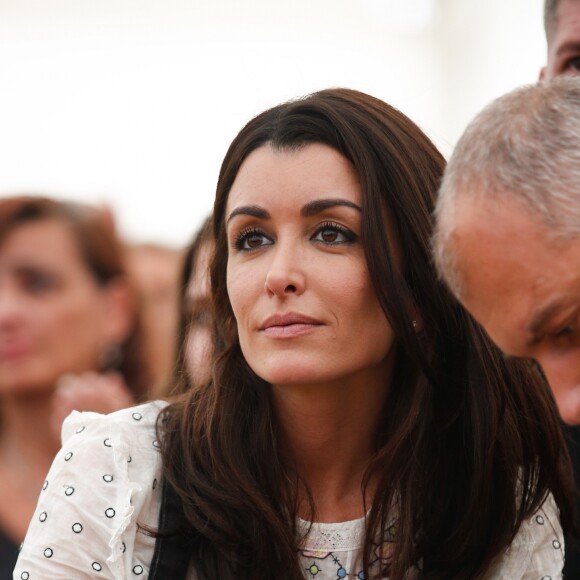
(542,73)
(120,307)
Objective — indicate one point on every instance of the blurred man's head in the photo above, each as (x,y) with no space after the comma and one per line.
(562,25)
(507,239)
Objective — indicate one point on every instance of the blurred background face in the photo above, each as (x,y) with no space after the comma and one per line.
(155,271)
(198,340)
(54,317)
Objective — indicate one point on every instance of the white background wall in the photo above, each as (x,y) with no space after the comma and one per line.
(134,102)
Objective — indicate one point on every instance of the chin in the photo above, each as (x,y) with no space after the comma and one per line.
(292,364)
(22,385)
(293,372)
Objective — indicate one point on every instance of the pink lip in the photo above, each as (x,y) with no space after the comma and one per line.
(11,352)
(288,325)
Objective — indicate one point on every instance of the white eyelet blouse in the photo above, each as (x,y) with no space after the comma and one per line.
(106,480)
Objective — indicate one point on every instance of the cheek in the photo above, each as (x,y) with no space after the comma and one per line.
(242,294)
(72,340)
(80,322)
(365,315)
(66,319)
(354,292)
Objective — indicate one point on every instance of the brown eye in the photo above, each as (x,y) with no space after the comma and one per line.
(37,282)
(329,235)
(334,234)
(252,239)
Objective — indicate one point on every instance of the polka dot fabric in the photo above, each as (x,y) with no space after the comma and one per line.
(106,478)
(538,549)
(102,482)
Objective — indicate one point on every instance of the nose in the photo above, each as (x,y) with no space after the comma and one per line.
(563,375)
(285,275)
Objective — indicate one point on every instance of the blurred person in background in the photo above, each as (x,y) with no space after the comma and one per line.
(562,26)
(154,269)
(507,243)
(194,339)
(69,339)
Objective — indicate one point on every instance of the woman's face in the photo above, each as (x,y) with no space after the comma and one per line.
(297,277)
(54,317)
(198,340)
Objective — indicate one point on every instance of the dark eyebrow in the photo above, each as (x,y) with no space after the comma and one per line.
(310,209)
(319,205)
(251,210)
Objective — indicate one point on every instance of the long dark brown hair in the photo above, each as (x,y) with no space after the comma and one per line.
(469,443)
(103,255)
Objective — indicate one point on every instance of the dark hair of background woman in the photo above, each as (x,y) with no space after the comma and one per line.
(462,429)
(103,254)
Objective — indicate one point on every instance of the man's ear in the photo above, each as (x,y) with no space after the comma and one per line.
(542,73)
(120,310)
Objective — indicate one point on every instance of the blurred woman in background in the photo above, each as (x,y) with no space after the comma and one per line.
(69,340)
(155,270)
(193,365)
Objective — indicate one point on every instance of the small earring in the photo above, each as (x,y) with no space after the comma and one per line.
(111,357)
(414,323)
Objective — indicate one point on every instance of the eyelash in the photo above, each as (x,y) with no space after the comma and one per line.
(245,234)
(565,331)
(350,237)
(564,336)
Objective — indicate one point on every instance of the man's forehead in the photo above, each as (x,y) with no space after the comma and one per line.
(515,274)
(498,290)
(478,218)
(492,244)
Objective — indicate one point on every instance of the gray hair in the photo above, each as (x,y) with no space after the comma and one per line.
(524,146)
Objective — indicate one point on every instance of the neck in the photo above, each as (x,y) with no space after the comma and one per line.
(23,448)
(27,448)
(328,432)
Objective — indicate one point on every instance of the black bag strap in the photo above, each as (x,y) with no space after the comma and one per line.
(172,552)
